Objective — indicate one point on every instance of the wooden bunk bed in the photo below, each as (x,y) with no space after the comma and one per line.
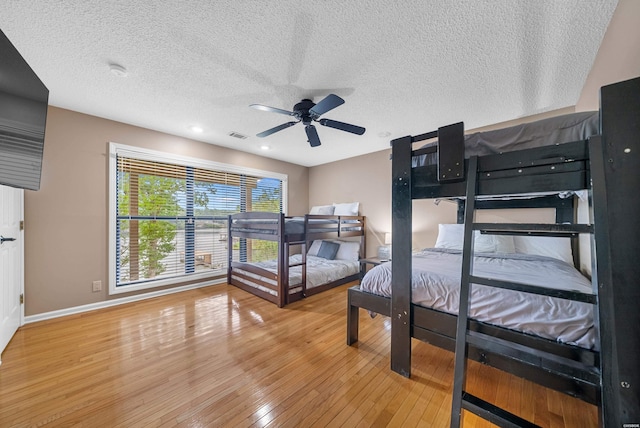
(272,280)
(606,165)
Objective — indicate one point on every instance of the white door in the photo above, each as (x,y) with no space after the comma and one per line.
(11,263)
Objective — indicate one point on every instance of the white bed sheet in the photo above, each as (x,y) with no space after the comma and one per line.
(435,284)
(320,271)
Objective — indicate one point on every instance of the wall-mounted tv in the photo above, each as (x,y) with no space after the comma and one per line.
(23,115)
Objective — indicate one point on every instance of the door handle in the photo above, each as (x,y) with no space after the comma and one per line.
(2,239)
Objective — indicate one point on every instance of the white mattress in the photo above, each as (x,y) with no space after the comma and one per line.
(320,271)
(435,284)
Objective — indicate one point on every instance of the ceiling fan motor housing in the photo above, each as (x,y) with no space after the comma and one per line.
(302,110)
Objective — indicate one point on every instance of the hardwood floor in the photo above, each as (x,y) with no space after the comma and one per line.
(218,356)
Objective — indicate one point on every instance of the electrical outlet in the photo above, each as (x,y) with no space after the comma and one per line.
(97,285)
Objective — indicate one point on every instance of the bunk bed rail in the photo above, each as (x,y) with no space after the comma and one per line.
(328,227)
(273,226)
(562,167)
(257,225)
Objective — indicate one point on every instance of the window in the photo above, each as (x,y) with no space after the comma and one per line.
(169,215)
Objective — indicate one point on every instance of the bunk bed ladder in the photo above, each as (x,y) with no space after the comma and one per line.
(302,264)
(461,399)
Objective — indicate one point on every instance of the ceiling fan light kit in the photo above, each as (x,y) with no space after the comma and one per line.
(118,70)
(306,111)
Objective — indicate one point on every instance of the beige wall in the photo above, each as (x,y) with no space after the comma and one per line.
(66,231)
(618,57)
(367,179)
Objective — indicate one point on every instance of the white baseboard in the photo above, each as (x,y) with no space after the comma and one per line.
(120,301)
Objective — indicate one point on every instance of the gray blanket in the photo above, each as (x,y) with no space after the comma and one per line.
(554,130)
(436,284)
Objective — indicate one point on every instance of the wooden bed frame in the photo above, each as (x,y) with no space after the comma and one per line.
(272,227)
(607,166)
(439,328)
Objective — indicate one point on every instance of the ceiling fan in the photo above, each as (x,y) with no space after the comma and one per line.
(307,111)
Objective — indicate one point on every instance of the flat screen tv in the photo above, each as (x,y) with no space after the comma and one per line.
(23,115)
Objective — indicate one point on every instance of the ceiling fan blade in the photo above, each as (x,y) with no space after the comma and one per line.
(342,126)
(272,109)
(329,102)
(275,129)
(312,135)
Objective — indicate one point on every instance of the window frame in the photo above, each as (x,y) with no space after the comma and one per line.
(115,150)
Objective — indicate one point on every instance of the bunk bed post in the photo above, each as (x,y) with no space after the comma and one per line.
(303,255)
(567,213)
(283,264)
(460,212)
(615,180)
(451,153)
(304,245)
(229,249)
(401,256)
(363,241)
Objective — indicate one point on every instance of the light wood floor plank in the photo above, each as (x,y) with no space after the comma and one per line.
(219,356)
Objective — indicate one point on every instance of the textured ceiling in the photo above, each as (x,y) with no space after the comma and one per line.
(402,67)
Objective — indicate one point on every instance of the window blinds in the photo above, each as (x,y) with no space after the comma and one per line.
(172,219)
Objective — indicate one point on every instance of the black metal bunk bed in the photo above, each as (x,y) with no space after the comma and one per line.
(607,166)
(288,232)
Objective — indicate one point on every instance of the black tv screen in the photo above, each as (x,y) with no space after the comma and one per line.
(23,115)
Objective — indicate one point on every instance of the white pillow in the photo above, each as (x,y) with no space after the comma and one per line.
(451,236)
(346,209)
(348,251)
(315,247)
(321,210)
(550,246)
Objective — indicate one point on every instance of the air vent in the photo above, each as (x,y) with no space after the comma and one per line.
(237,135)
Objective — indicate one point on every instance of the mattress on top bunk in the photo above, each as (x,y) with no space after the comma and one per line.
(545,132)
(295,225)
(320,271)
(436,284)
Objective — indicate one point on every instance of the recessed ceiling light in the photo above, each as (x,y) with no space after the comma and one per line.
(265,147)
(118,70)
(195,128)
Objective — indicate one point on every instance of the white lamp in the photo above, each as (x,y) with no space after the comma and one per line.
(384,251)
